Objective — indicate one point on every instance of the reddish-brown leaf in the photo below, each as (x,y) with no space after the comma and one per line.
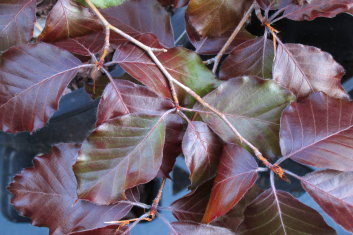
(306,69)
(16,22)
(333,191)
(253,106)
(187,228)
(68,19)
(124,97)
(212,18)
(47,194)
(309,10)
(236,174)
(253,57)
(319,132)
(118,155)
(202,150)
(184,65)
(281,213)
(107,230)
(32,79)
(134,17)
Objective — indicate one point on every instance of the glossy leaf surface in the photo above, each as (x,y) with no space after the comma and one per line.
(33,78)
(309,10)
(202,149)
(118,155)
(253,106)
(332,190)
(47,194)
(253,57)
(68,19)
(281,213)
(319,132)
(16,22)
(184,65)
(186,227)
(306,69)
(236,174)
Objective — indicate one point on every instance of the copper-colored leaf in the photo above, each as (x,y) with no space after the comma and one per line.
(253,106)
(32,79)
(69,19)
(202,149)
(212,18)
(309,10)
(124,97)
(47,194)
(236,174)
(281,213)
(333,191)
(319,132)
(306,69)
(120,154)
(187,228)
(16,22)
(184,65)
(253,57)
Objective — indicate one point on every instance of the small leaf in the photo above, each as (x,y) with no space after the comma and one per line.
(33,77)
(184,65)
(187,227)
(253,57)
(296,68)
(318,132)
(253,106)
(236,174)
(202,149)
(332,190)
(16,22)
(46,193)
(120,154)
(312,9)
(104,3)
(212,18)
(281,213)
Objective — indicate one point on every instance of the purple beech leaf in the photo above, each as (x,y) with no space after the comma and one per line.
(134,17)
(319,132)
(32,79)
(253,57)
(306,69)
(68,19)
(107,230)
(184,65)
(202,149)
(125,97)
(264,4)
(236,174)
(281,213)
(310,10)
(46,193)
(212,45)
(16,22)
(188,227)
(333,191)
(120,154)
(212,18)
(253,106)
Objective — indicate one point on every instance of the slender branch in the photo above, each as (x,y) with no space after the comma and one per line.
(153,211)
(231,38)
(275,168)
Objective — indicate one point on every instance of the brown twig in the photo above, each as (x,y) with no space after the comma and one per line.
(231,38)
(150,51)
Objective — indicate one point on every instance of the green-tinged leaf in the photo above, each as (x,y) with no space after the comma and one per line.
(104,3)
(118,155)
(280,213)
(184,65)
(254,108)
(202,149)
